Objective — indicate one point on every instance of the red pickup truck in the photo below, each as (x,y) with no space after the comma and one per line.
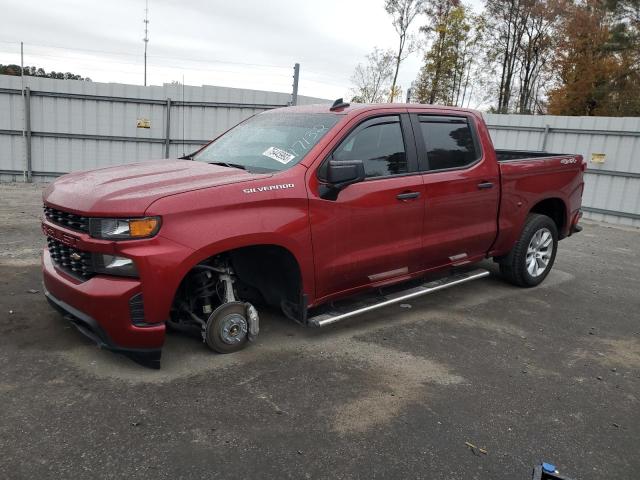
(299,208)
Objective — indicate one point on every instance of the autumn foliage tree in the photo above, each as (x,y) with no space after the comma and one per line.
(565,57)
(597,62)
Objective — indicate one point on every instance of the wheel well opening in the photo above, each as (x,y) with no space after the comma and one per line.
(260,274)
(553,208)
(269,270)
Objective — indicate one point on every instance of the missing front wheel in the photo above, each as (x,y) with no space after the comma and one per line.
(208,303)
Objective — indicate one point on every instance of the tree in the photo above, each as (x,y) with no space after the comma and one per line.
(396,92)
(626,11)
(429,83)
(535,52)
(625,41)
(507,20)
(597,61)
(402,12)
(372,81)
(531,62)
(39,72)
(518,52)
(454,35)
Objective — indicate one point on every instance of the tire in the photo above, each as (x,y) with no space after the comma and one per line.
(227,328)
(525,265)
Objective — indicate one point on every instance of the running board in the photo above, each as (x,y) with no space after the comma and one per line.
(328,318)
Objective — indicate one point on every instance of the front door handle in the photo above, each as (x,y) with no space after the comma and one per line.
(484,185)
(407,195)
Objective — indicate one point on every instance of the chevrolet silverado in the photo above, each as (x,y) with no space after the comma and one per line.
(322,212)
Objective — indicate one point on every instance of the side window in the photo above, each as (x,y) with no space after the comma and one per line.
(380,147)
(449,142)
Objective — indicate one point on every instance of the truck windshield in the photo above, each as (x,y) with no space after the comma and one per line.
(269,142)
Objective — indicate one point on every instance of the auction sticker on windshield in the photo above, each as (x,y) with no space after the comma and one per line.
(278,155)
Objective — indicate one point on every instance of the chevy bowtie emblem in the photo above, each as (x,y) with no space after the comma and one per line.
(75,256)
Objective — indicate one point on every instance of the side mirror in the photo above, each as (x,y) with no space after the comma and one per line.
(343,173)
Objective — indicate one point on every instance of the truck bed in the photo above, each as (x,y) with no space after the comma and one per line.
(527,177)
(515,155)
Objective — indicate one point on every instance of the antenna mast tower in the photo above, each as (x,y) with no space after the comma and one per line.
(146,38)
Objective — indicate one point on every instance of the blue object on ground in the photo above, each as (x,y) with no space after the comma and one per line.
(548,467)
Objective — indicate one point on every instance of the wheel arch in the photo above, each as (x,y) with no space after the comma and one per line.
(554,208)
(510,228)
(272,267)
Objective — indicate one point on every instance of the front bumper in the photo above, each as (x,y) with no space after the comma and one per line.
(92,329)
(100,308)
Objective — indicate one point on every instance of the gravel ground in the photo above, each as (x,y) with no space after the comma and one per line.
(548,373)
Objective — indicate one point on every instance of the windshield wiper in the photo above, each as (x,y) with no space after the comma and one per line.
(230,165)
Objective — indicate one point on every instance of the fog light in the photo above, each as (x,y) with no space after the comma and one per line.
(114,265)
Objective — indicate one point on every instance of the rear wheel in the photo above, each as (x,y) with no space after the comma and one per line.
(532,257)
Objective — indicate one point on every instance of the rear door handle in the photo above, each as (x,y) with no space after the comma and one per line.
(484,185)
(407,195)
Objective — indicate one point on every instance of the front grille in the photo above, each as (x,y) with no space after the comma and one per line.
(136,309)
(67,219)
(73,261)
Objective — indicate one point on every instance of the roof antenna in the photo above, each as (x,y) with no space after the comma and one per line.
(338,104)
(146,38)
(183,110)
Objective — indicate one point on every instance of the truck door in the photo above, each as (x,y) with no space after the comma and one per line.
(371,232)
(461,190)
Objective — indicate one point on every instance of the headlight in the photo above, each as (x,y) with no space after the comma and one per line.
(114,265)
(124,228)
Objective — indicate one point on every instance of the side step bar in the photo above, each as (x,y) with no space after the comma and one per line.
(328,318)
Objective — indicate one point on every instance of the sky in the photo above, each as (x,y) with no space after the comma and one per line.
(246,44)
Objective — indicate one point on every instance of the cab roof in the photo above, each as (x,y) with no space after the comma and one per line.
(355,108)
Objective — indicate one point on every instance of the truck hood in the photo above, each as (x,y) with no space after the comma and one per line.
(128,190)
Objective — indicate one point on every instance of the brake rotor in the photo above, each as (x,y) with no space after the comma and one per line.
(230,324)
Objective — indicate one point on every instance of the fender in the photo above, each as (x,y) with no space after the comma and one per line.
(511,225)
(163,299)
(212,221)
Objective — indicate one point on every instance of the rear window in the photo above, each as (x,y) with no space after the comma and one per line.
(449,142)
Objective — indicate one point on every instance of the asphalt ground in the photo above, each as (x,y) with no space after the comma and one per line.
(550,373)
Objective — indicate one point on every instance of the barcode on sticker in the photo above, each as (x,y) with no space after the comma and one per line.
(278,155)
